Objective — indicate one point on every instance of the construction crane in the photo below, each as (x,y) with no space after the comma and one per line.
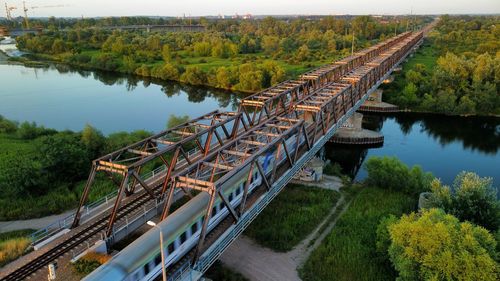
(8,11)
(25,9)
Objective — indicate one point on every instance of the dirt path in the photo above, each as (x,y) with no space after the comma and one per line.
(32,223)
(262,264)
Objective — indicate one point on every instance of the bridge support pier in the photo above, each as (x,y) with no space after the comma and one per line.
(374,103)
(352,132)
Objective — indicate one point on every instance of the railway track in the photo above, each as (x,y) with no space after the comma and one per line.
(73,242)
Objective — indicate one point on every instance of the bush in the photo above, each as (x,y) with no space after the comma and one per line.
(435,246)
(474,199)
(7,126)
(333,169)
(29,131)
(90,262)
(390,173)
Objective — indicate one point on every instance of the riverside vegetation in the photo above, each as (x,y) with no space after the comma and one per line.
(456,71)
(243,55)
(44,171)
(371,242)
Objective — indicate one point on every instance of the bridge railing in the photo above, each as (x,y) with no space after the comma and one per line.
(89,210)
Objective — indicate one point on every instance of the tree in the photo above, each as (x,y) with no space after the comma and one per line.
(167,71)
(194,76)
(202,49)
(174,121)
(166,53)
(65,157)
(58,46)
(270,44)
(302,54)
(392,174)
(223,78)
(435,246)
(474,199)
(93,140)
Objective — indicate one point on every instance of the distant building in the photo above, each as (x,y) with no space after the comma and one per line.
(3,31)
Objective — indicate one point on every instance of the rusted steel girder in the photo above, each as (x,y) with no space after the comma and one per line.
(213,171)
(171,146)
(281,98)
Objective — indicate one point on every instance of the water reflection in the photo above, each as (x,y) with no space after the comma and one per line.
(444,145)
(475,133)
(106,100)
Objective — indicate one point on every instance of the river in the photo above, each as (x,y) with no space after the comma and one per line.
(63,98)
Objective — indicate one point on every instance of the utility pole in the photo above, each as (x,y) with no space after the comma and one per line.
(352,46)
(26,21)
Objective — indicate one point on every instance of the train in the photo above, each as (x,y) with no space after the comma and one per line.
(141,260)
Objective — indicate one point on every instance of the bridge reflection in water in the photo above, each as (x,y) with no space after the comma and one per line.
(231,165)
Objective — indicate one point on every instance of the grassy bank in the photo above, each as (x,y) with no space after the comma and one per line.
(348,253)
(291,216)
(13,244)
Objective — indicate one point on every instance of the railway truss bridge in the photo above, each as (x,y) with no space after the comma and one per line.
(229,166)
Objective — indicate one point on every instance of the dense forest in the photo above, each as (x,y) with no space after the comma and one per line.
(243,55)
(457,71)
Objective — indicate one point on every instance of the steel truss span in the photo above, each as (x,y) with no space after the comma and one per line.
(269,139)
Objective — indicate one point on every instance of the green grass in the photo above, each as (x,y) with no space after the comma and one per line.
(425,55)
(13,244)
(291,216)
(348,252)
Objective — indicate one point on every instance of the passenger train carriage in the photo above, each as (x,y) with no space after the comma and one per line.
(141,260)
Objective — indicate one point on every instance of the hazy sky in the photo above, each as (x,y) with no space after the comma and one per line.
(90,8)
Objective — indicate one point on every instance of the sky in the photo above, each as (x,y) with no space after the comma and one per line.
(93,8)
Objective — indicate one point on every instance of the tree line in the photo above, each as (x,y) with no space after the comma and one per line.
(240,55)
(460,70)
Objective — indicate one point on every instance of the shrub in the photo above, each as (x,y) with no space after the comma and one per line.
(390,173)
(474,199)
(435,246)
(88,263)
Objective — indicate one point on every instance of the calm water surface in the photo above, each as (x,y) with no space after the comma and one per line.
(61,98)
(442,145)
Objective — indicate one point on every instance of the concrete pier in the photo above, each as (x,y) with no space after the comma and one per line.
(352,133)
(375,104)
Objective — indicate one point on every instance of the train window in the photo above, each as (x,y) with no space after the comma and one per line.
(238,191)
(244,184)
(214,211)
(221,206)
(230,197)
(171,248)
(146,269)
(183,237)
(194,228)
(158,259)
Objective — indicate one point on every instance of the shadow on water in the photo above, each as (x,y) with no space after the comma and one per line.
(475,133)
(478,138)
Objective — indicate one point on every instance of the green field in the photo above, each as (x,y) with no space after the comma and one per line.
(291,216)
(426,55)
(348,252)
